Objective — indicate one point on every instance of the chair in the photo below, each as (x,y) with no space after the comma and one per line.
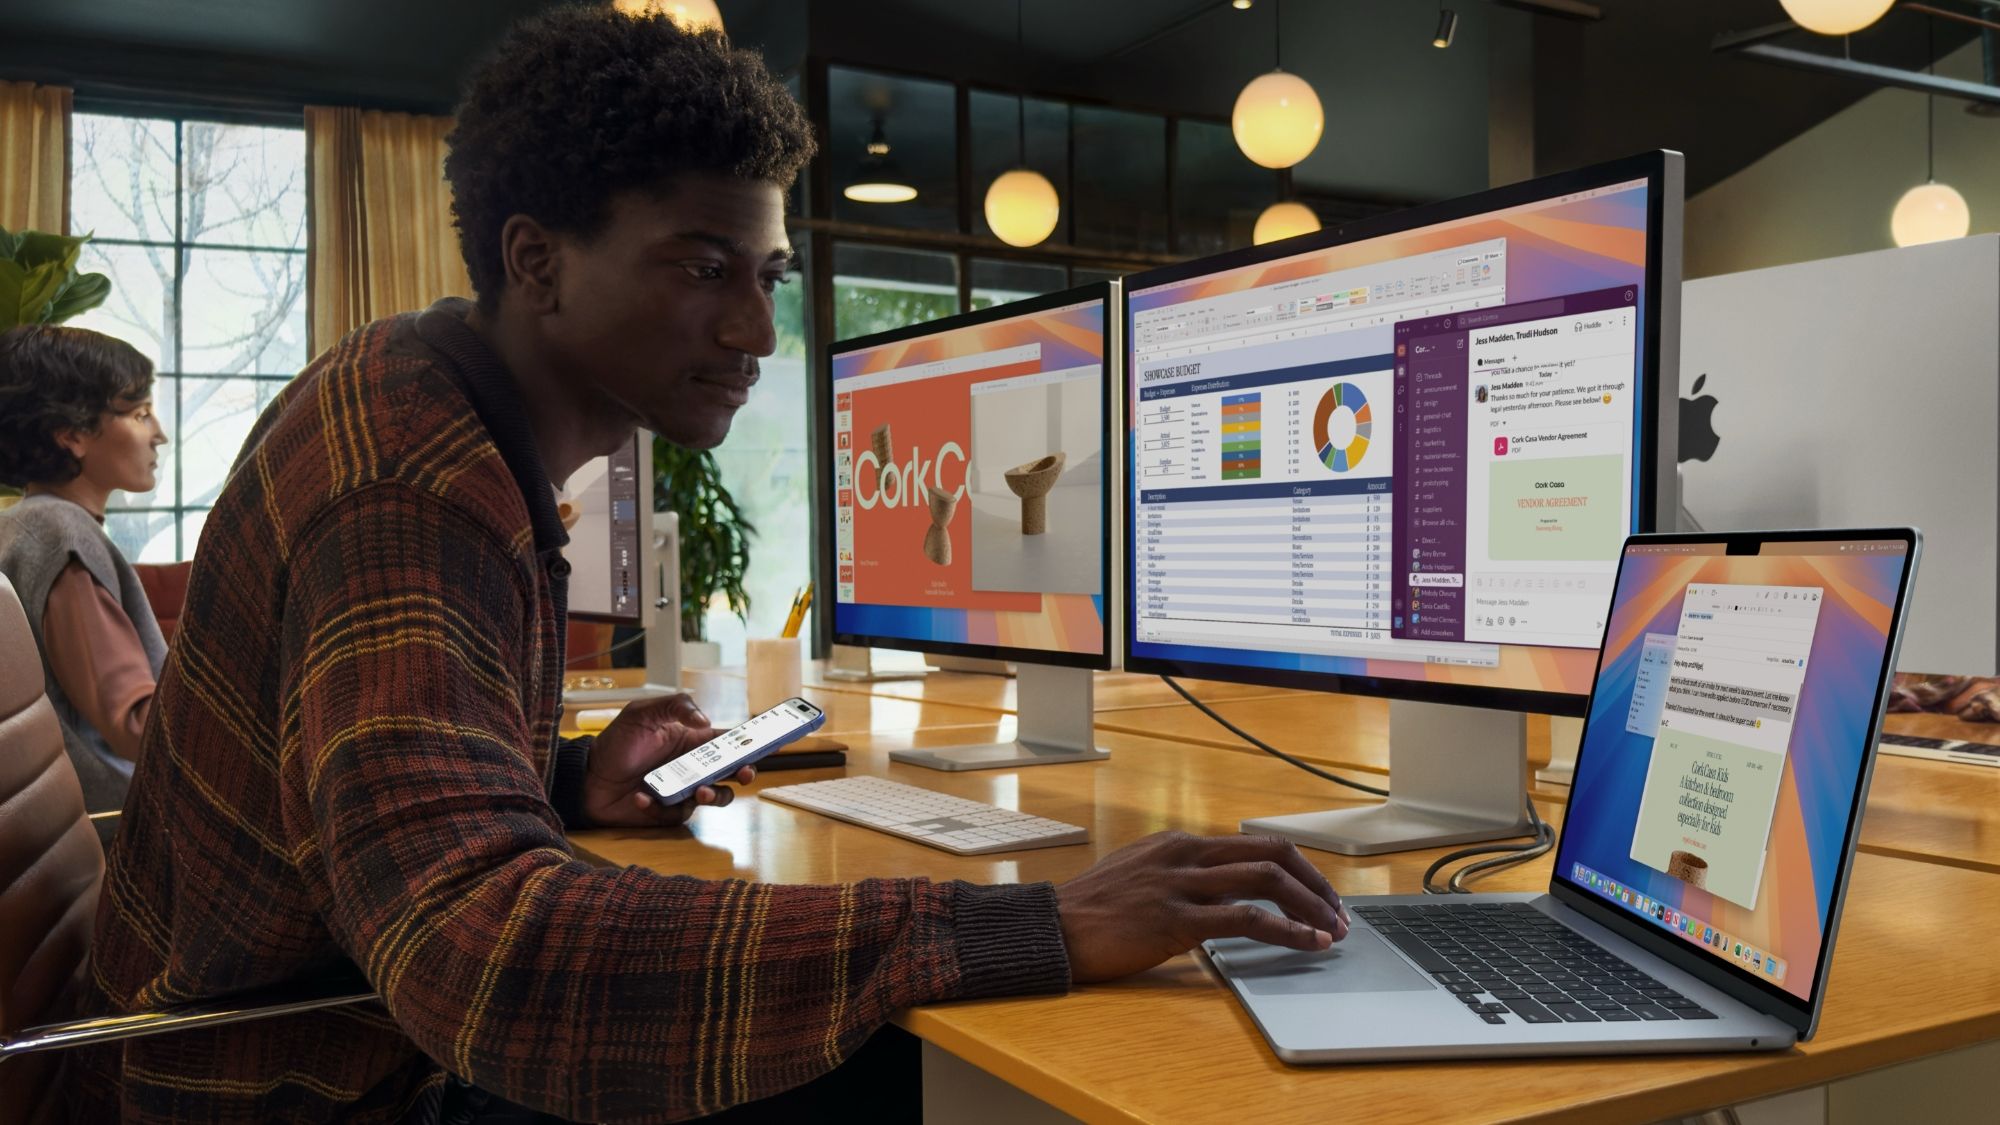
(166,587)
(50,867)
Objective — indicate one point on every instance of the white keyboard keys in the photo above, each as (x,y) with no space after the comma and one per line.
(938,820)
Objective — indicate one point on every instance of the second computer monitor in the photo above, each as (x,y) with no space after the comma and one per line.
(1401,460)
(970,507)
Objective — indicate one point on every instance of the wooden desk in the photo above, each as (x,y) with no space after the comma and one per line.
(721,698)
(1115,691)
(1913,974)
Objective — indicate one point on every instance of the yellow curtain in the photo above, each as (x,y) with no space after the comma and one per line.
(382,240)
(34,157)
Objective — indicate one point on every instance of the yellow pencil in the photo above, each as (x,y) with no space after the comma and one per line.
(798,615)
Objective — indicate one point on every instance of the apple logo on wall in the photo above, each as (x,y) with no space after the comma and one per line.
(1698,436)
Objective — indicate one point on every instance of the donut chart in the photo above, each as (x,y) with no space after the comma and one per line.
(1348,397)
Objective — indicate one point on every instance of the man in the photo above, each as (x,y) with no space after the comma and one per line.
(354,758)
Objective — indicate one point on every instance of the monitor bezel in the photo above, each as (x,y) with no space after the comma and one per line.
(1743,984)
(1102,291)
(1656,494)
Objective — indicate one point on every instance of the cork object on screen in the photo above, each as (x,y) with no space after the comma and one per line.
(1689,868)
(885,449)
(1032,482)
(937,540)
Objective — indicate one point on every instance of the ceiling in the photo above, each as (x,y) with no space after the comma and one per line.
(1406,122)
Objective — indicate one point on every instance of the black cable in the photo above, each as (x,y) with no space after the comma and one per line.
(631,640)
(1239,732)
(1507,854)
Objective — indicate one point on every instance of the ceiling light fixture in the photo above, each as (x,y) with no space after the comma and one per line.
(1277,120)
(880,180)
(1021,205)
(1836,17)
(1284,219)
(689,14)
(1447,27)
(1931,211)
(1240,5)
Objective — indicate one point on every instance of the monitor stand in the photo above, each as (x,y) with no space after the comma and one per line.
(854,664)
(1564,736)
(1457,775)
(1056,708)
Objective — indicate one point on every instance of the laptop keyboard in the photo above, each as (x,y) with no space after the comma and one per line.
(1503,959)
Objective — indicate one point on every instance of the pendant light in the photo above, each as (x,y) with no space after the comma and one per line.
(1836,17)
(1447,28)
(1277,120)
(688,14)
(880,181)
(1022,205)
(1931,211)
(1284,219)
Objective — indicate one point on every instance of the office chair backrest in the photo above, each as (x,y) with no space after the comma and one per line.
(50,865)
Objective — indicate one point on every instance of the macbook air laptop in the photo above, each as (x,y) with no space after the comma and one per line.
(1704,854)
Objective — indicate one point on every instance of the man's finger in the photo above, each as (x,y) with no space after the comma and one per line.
(716,795)
(1266,880)
(1216,851)
(1244,920)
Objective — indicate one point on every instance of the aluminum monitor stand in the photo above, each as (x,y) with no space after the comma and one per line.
(1457,775)
(853,664)
(1055,726)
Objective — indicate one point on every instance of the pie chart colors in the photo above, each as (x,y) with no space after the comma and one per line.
(1326,423)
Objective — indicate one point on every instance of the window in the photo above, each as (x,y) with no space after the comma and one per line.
(763,464)
(998,282)
(876,288)
(201,227)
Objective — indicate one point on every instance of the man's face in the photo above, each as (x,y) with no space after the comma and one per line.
(665,312)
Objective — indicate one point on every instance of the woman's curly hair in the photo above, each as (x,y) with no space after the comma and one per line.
(582,103)
(54,379)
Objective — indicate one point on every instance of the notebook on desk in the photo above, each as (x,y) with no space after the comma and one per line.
(1704,853)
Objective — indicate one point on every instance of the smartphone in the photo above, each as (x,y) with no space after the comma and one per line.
(733,749)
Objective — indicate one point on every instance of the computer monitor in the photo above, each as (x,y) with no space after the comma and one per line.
(619,572)
(970,504)
(1399,458)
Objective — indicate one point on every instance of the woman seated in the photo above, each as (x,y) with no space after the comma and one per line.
(76,424)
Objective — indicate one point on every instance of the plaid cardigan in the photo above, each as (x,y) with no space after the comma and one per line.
(351,763)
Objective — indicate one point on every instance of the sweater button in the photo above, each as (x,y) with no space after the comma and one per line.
(560,567)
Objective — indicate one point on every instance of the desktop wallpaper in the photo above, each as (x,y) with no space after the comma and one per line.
(890,590)
(1568,248)
(1824,756)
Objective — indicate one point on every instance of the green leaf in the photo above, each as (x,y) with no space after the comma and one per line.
(9,243)
(37,248)
(83,293)
(38,292)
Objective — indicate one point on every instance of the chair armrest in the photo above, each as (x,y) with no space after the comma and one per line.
(239,1008)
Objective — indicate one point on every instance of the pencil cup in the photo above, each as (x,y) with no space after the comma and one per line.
(771,665)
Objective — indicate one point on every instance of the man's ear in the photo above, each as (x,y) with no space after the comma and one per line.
(533,262)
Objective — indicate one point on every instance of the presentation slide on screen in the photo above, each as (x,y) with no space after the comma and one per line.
(1724,708)
(970,483)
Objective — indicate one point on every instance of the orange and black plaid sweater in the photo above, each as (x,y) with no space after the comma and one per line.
(351,763)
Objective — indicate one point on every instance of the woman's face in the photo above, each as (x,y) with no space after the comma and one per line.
(123,453)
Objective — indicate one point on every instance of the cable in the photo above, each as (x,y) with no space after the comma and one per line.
(1507,854)
(1239,732)
(571,661)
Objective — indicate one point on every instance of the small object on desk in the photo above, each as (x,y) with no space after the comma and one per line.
(801,602)
(771,671)
(595,719)
(952,824)
(812,752)
(1941,749)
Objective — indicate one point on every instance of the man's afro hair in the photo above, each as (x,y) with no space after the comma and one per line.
(583,102)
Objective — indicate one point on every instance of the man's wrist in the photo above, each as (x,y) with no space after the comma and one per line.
(567,781)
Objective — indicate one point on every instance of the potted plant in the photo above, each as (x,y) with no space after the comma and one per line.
(715,542)
(39,284)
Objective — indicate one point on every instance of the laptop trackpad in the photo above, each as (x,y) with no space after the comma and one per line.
(1362,963)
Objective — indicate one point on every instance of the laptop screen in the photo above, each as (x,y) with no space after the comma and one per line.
(1728,730)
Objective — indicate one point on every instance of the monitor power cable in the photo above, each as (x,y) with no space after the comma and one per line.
(572,661)
(1503,855)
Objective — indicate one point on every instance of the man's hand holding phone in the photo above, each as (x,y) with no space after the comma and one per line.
(647,734)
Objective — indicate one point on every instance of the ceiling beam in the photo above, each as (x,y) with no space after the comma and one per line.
(1761,44)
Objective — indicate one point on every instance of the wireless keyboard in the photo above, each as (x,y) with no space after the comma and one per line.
(951,824)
